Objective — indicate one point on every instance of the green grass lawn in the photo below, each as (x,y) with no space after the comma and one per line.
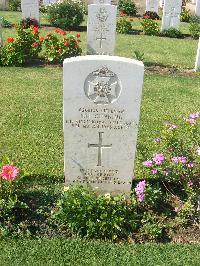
(81,252)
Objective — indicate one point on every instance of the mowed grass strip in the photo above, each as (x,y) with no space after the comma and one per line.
(31,113)
(82,252)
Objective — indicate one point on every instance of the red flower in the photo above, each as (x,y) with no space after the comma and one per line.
(35,30)
(61,32)
(10,40)
(78,35)
(35,44)
(66,42)
(41,39)
(59,50)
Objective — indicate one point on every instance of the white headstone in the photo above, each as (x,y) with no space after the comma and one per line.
(30,9)
(3,4)
(101,29)
(197,8)
(49,2)
(171,14)
(99,2)
(197,64)
(161,2)
(102,96)
(152,5)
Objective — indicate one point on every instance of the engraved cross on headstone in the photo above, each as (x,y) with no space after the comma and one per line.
(100,147)
(101,39)
(172,15)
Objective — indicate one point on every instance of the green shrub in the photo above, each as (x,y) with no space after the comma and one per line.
(66,15)
(23,48)
(194,27)
(28,22)
(185,15)
(127,7)
(124,26)
(150,27)
(172,33)
(6,23)
(15,5)
(57,49)
(151,15)
(139,55)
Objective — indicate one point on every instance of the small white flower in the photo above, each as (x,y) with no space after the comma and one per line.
(66,189)
(198,150)
(107,196)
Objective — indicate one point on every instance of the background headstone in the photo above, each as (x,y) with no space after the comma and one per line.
(197,64)
(101,29)
(49,2)
(30,9)
(171,14)
(161,3)
(98,2)
(3,4)
(197,8)
(102,96)
(152,5)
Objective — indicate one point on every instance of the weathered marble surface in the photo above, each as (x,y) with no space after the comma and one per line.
(102,96)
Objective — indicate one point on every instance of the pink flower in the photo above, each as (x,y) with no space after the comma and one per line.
(173,126)
(190,165)
(176,209)
(182,159)
(140,189)
(190,183)
(175,159)
(191,121)
(157,140)
(194,115)
(159,158)
(148,163)
(9,172)
(154,171)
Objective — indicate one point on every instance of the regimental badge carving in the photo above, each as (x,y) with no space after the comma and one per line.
(102,15)
(102,86)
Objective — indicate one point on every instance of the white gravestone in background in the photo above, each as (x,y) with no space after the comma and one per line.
(96,2)
(102,96)
(197,8)
(101,29)
(49,2)
(152,5)
(197,64)
(161,3)
(171,14)
(30,9)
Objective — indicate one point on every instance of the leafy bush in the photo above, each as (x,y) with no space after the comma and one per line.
(57,49)
(6,23)
(66,15)
(150,27)
(127,7)
(172,33)
(101,217)
(124,26)
(15,5)
(28,22)
(151,15)
(23,48)
(185,15)
(194,27)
